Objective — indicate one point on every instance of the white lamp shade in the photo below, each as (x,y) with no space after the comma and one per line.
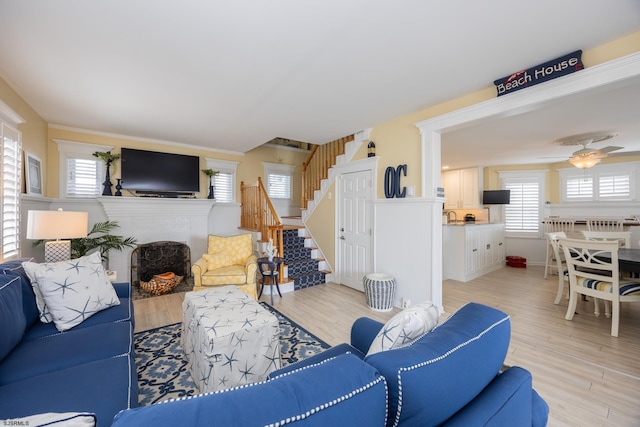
(56,224)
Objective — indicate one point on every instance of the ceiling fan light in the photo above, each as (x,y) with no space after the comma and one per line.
(584,162)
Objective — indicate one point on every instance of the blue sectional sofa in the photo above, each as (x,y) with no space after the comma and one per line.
(451,376)
(89,368)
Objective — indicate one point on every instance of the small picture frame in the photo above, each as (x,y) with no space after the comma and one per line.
(33,169)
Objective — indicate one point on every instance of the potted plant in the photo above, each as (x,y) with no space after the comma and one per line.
(210,173)
(99,238)
(107,157)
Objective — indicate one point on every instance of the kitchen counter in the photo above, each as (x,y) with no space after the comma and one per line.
(459,223)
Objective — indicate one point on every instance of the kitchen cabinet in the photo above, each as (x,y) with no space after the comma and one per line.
(462,188)
(472,250)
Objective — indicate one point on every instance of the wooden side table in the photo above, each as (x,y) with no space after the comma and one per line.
(270,269)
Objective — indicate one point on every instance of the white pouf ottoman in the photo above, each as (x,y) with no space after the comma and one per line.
(228,338)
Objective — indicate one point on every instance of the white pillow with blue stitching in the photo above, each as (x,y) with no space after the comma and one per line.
(406,327)
(73,290)
(55,419)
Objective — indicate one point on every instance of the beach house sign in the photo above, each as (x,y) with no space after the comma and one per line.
(550,70)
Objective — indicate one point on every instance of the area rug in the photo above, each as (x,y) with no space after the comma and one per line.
(162,368)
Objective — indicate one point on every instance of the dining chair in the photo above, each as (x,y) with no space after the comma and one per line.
(605,224)
(594,271)
(555,224)
(622,237)
(563,273)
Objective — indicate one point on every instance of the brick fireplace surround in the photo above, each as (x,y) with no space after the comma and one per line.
(150,219)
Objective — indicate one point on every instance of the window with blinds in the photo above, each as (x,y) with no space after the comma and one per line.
(612,186)
(223,183)
(279,186)
(11,187)
(84,177)
(579,188)
(523,215)
(602,183)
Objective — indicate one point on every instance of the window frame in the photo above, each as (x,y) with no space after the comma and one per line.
(278,169)
(68,150)
(526,176)
(225,167)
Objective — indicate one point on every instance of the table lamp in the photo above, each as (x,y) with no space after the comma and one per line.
(44,225)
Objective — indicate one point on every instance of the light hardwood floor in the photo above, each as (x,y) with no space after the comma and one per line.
(587,377)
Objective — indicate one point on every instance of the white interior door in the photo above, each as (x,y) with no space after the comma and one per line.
(354,227)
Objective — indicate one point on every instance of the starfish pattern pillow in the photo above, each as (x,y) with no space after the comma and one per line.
(406,327)
(73,290)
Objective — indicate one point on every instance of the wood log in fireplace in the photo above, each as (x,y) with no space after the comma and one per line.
(153,258)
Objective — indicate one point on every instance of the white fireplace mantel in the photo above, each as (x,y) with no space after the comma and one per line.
(119,207)
(150,219)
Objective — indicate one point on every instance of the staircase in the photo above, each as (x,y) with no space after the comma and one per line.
(305,264)
(303,269)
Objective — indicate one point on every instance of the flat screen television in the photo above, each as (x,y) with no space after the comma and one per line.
(496,197)
(161,174)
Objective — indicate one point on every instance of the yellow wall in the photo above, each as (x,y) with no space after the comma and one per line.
(249,168)
(322,225)
(34,129)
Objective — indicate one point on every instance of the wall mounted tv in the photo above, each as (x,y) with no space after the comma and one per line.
(161,174)
(496,197)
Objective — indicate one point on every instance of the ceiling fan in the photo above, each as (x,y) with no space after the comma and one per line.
(587,157)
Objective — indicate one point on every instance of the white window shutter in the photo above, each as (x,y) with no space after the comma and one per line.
(223,183)
(279,186)
(84,177)
(11,187)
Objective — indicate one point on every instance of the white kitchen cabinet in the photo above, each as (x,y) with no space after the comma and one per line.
(472,250)
(462,188)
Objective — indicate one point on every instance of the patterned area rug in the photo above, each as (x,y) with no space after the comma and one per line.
(162,368)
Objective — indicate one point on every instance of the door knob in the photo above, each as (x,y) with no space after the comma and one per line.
(341,237)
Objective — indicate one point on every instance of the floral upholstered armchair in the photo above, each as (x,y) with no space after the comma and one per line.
(228,261)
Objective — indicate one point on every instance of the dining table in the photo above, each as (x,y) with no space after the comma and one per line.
(628,259)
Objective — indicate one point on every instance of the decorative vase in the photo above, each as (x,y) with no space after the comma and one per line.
(211,195)
(119,187)
(107,181)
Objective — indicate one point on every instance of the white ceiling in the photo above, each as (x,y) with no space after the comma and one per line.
(234,74)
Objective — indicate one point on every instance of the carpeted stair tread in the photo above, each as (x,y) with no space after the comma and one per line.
(302,268)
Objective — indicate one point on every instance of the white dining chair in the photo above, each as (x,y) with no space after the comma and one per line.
(622,237)
(605,224)
(554,225)
(558,255)
(594,271)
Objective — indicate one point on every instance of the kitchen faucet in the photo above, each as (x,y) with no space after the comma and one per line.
(455,216)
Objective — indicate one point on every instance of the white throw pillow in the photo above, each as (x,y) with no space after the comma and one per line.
(405,327)
(54,419)
(30,270)
(73,290)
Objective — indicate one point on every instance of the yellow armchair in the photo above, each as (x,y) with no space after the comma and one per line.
(228,261)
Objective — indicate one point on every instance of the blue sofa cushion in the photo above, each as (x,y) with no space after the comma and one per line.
(337,391)
(14,267)
(505,401)
(119,313)
(12,319)
(61,351)
(104,388)
(433,378)
(334,351)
